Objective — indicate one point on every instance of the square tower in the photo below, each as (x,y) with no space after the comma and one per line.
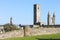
(36,14)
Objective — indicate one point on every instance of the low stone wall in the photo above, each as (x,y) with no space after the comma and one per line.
(30,32)
(15,33)
(41,31)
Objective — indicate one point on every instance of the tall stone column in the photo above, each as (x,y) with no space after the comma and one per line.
(11,21)
(49,19)
(53,19)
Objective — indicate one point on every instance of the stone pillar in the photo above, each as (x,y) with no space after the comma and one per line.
(26,31)
(11,20)
(49,19)
(53,19)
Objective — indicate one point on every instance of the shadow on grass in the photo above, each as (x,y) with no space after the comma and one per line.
(46,39)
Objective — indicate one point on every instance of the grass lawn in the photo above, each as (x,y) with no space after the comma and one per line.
(50,36)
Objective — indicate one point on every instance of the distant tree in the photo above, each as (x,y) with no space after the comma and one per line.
(43,25)
(9,27)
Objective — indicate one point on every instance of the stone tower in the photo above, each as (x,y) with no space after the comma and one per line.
(53,19)
(11,20)
(49,19)
(36,14)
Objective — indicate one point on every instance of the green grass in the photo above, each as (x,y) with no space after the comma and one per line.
(38,37)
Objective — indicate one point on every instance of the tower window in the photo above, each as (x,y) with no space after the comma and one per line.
(38,7)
